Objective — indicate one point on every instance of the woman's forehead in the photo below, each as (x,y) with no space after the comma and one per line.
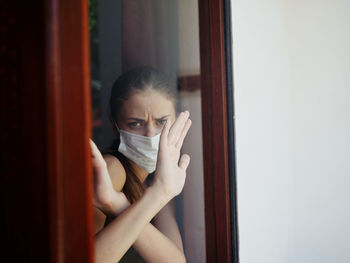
(145,103)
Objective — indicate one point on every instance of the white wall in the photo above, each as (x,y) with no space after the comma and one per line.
(292,103)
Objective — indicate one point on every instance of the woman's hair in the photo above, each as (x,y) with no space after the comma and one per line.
(137,80)
(140,79)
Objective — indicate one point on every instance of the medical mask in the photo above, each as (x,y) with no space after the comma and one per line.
(141,150)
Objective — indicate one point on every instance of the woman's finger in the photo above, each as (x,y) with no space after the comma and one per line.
(94,149)
(165,132)
(96,154)
(176,129)
(183,134)
(184,161)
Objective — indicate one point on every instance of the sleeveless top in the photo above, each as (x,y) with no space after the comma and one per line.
(131,256)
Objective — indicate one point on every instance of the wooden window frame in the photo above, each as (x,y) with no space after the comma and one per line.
(221,240)
(69,130)
(218,131)
(65,181)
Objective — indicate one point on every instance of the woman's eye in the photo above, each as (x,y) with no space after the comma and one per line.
(161,122)
(135,124)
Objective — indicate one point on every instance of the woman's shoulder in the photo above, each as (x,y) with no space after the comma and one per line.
(116,171)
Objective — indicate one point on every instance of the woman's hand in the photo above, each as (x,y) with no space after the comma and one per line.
(109,201)
(170,173)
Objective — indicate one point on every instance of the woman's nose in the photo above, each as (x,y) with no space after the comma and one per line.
(150,130)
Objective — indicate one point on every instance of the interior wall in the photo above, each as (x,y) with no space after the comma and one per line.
(189,62)
(263,131)
(193,193)
(319,39)
(292,123)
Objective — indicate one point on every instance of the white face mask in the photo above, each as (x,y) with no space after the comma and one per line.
(140,149)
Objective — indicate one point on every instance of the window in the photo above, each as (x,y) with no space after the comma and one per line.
(62,44)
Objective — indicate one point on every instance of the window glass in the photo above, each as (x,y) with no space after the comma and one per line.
(164,35)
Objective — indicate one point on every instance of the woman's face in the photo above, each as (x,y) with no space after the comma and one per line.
(145,113)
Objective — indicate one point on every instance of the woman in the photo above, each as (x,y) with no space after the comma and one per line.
(143,109)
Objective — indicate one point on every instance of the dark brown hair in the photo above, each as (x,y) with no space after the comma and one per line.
(135,80)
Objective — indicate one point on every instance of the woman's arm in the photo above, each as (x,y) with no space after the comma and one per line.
(162,242)
(154,244)
(114,240)
(133,224)
(165,222)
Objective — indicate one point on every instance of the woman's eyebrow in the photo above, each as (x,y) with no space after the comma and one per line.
(162,117)
(139,119)
(135,119)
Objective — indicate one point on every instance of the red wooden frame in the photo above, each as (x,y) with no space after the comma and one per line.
(23,196)
(46,176)
(69,127)
(215,140)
